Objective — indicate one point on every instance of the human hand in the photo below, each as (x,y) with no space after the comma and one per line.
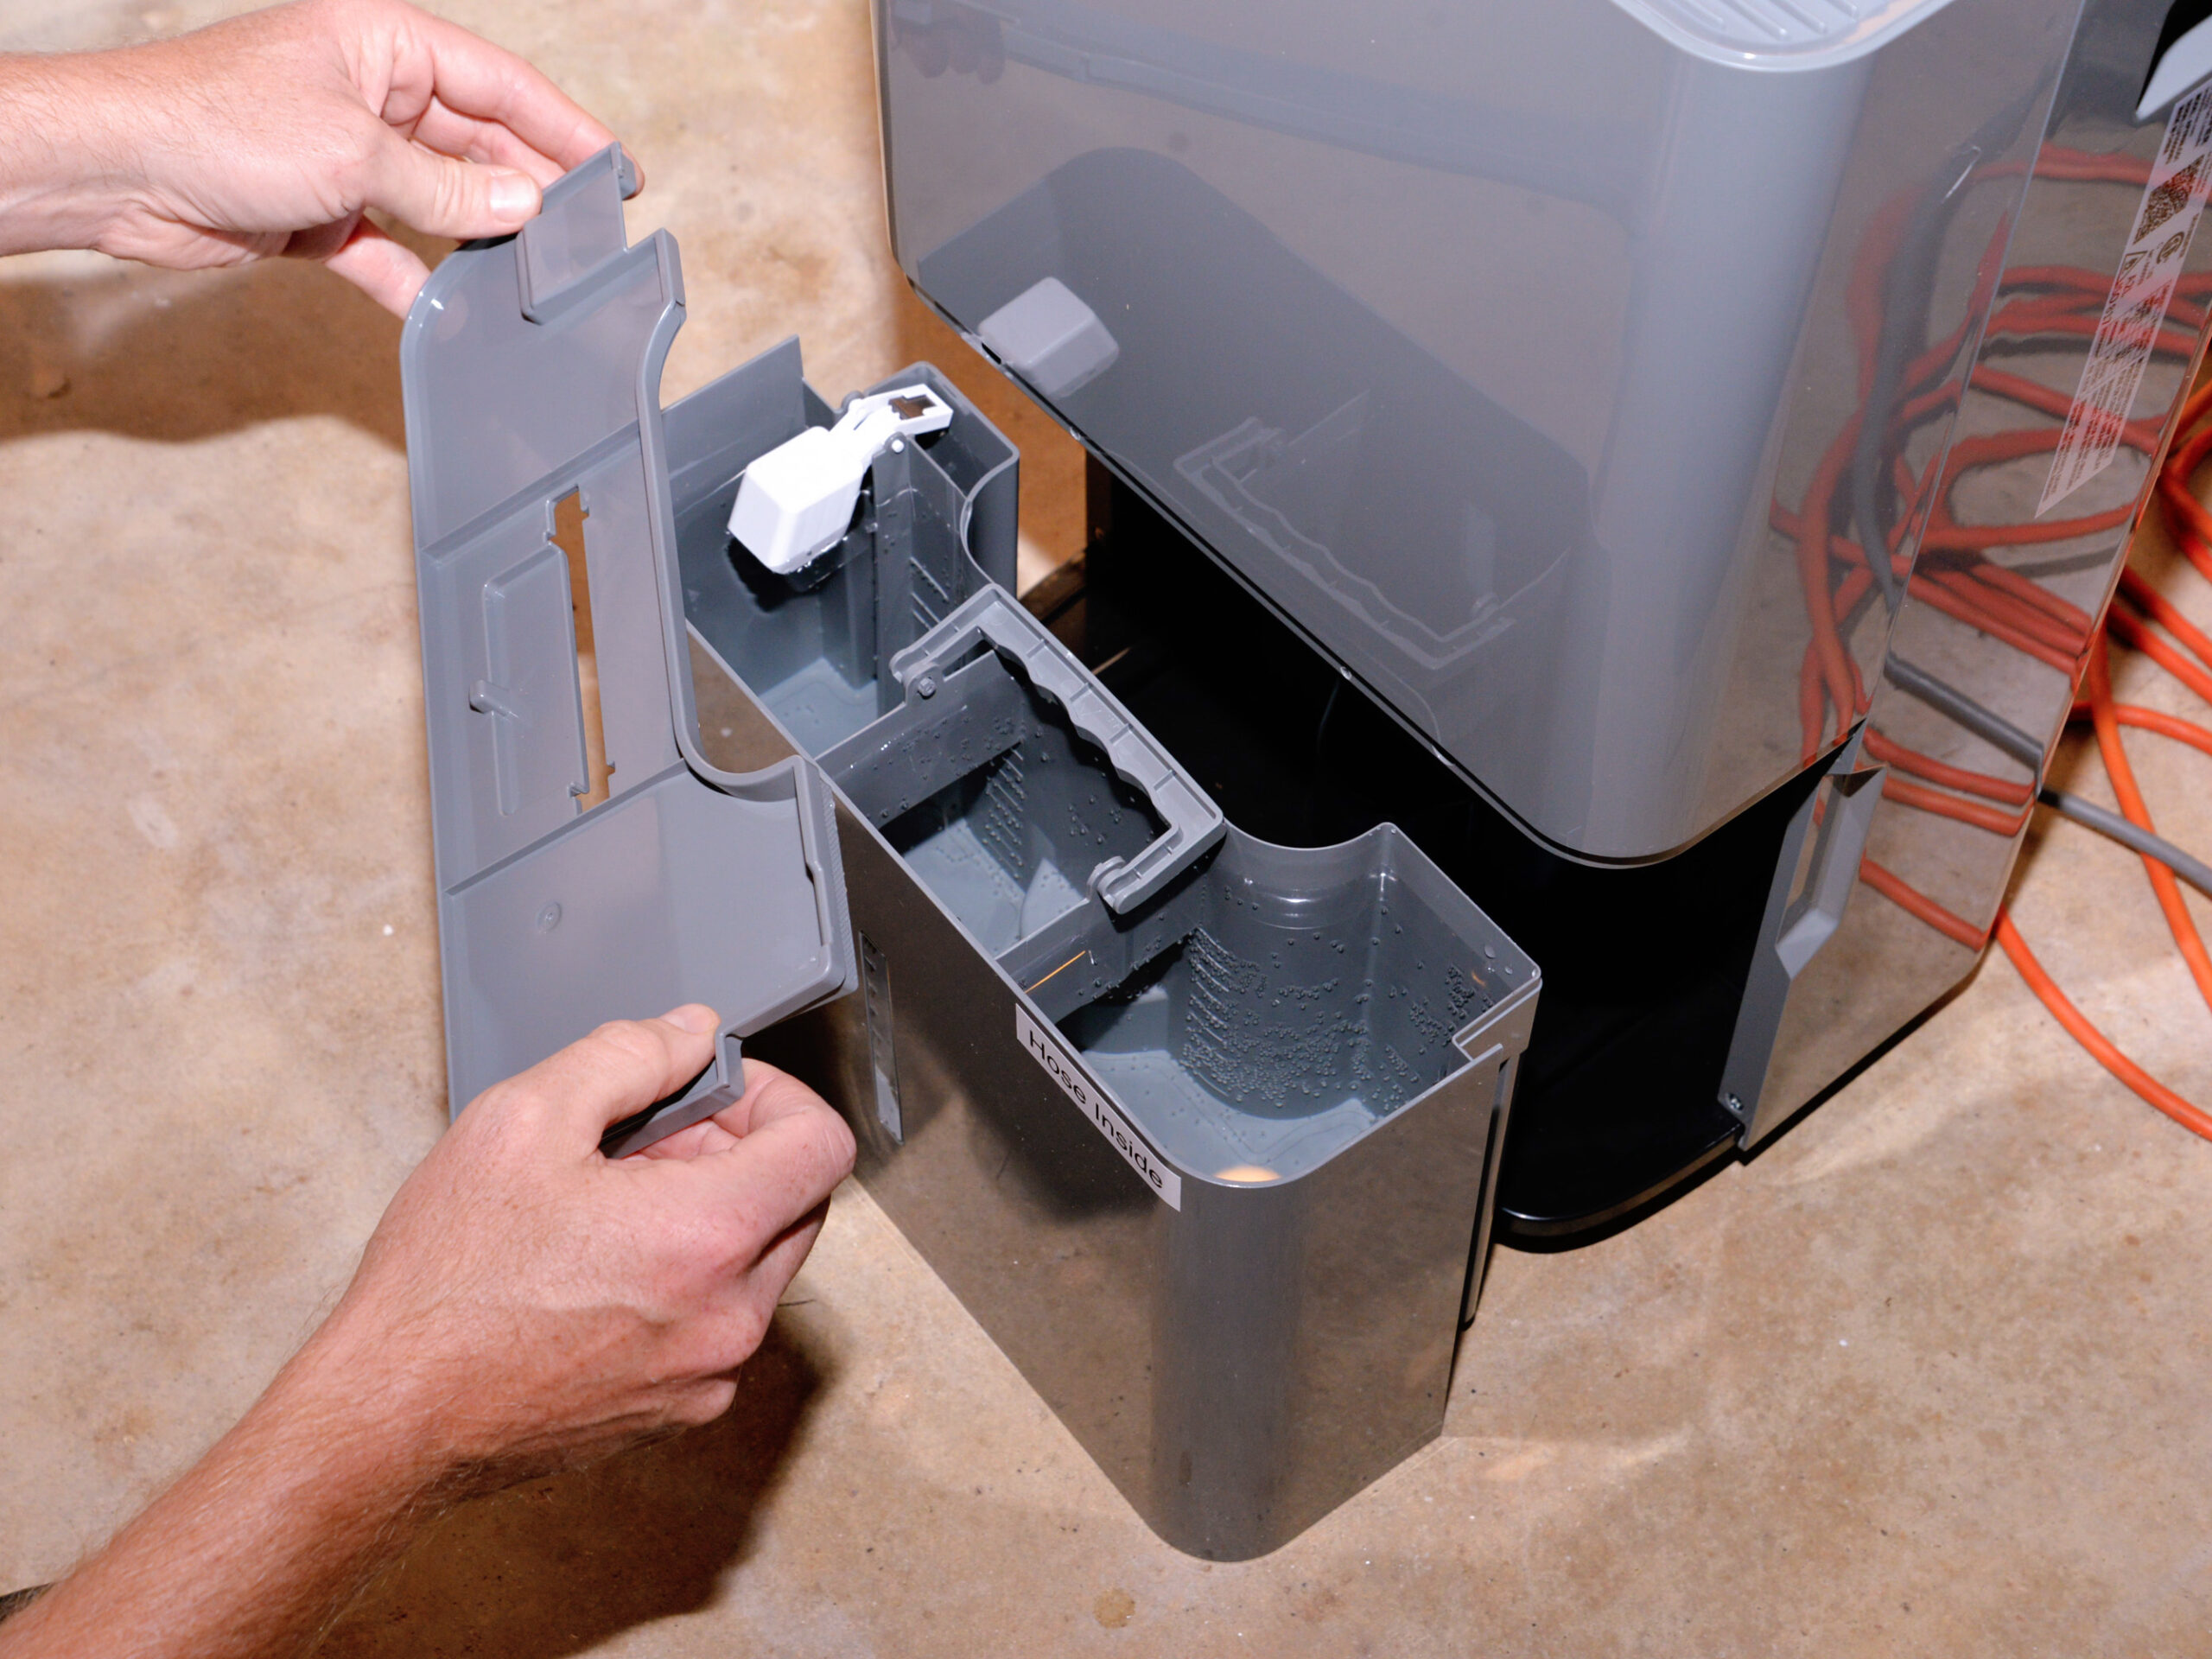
(525,1303)
(273,133)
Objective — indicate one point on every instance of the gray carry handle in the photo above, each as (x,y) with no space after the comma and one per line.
(1804,911)
(994,617)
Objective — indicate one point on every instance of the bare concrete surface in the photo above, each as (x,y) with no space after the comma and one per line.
(1929,1375)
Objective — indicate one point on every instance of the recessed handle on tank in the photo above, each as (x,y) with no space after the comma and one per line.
(993,618)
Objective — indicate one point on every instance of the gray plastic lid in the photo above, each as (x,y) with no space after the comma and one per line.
(530,369)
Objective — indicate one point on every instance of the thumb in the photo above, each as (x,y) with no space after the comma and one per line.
(441,196)
(623,1067)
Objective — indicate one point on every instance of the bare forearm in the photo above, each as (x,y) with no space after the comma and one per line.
(525,1305)
(54,173)
(260,1546)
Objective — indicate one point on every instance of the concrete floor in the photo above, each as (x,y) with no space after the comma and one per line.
(1928,1376)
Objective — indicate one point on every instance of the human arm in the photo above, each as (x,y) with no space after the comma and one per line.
(274,133)
(524,1304)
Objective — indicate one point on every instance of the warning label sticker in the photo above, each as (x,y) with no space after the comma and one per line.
(2136,308)
(1063,1069)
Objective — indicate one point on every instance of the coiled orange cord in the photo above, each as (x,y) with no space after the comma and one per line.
(2089,1037)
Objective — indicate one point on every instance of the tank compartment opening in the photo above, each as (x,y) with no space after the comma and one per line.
(1319,994)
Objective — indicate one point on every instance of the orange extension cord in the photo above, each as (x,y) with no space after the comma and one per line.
(1953,576)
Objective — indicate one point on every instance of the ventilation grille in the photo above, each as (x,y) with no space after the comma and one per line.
(1787,26)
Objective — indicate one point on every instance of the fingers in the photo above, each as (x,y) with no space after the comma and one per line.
(702,1401)
(785,1166)
(441,196)
(388,273)
(770,1092)
(744,1307)
(737,1204)
(780,1262)
(623,1067)
(451,133)
(473,77)
(706,1135)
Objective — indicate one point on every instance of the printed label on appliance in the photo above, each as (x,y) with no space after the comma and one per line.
(2136,308)
(1063,1069)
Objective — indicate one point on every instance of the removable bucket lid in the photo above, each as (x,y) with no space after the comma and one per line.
(592,864)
